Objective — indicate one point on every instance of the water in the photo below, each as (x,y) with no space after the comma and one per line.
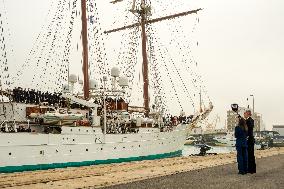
(190,150)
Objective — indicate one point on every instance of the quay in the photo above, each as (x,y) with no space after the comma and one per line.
(270,175)
(213,171)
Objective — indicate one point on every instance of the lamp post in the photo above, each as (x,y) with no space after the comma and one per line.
(252,104)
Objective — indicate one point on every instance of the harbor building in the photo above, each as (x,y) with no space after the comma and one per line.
(279,129)
(232,119)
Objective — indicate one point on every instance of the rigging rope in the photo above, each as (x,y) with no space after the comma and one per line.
(154,69)
(99,64)
(186,50)
(6,48)
(16,80)
(50,49)
(168,73)
(185,89)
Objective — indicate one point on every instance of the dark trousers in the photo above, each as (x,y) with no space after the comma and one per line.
(251,158)
(242,159)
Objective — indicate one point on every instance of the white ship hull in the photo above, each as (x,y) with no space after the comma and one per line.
(79,146)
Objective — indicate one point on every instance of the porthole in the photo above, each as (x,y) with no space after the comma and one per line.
(79,129)
(41,152)
(70,150)
(10,153)
(73,139)
(87,130)
(56,151)
(123,147)
(101,148)
(71,130)
(139,146)
(114,148)
(87,149)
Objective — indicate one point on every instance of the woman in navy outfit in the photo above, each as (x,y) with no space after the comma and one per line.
(241,145)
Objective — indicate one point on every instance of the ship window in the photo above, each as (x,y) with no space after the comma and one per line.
(114,148)
(56,151)
(87,149)
(41,152)
(71,130)
(123,147)
(101,148)
(139,145)
(87,130)
(70,150)
(10,153)
(79,129)
(73,139)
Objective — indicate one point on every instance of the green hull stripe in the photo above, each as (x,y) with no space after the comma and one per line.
(11,169)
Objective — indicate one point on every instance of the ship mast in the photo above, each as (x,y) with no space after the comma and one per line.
(144,21)
(145,59)
(85,49)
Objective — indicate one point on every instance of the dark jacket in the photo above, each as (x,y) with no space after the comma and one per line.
(241,137)
(250,124)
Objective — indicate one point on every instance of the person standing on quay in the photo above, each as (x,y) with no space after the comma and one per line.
(250,142)
(241,145)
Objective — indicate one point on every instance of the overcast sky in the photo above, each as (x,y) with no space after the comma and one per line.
(240,51)
(241,47)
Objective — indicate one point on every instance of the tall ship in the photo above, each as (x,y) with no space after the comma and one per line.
(69,127)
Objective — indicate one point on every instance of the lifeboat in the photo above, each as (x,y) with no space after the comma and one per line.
(58,118)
